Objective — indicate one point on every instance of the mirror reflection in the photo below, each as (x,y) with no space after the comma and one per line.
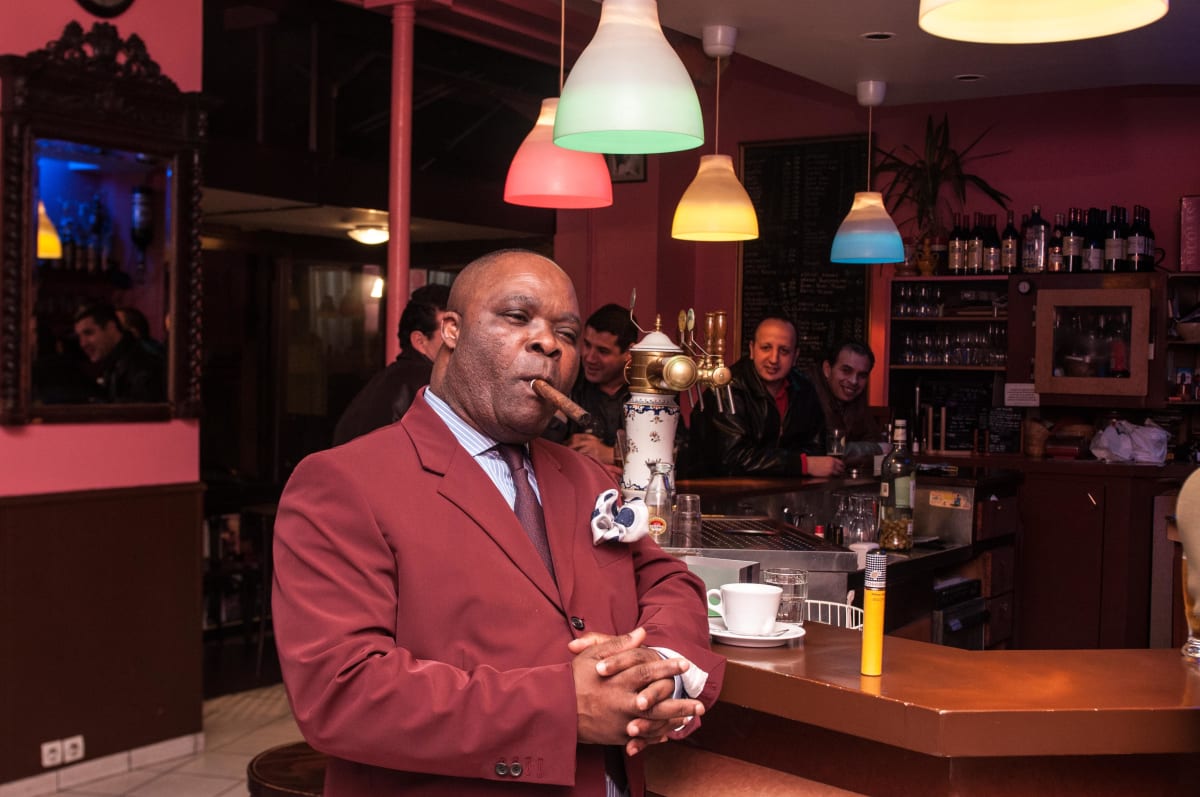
(101,306)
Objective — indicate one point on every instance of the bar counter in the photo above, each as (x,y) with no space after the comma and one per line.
(941,721)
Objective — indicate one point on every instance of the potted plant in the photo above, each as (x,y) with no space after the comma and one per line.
(922,178)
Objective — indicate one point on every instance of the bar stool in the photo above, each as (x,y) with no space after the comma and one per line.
(290,770)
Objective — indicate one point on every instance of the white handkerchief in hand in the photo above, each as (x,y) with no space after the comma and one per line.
(626,523)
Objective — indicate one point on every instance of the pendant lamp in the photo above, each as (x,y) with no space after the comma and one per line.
(629,93)
(716,207)
(1035,21)
(369,234)
(545,175)
(49,245)
(868,234)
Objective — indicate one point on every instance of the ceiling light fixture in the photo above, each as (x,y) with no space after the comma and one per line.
(545,175)
(716,207)
(369,234)
(629,94)
(868,234)
(1035,21)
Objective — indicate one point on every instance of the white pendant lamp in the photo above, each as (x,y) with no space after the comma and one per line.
(868,234)
(716,207)
(369,234)
(545,175)
(1035,21)
(629,93)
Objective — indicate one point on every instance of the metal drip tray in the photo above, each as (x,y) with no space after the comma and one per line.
(767,541)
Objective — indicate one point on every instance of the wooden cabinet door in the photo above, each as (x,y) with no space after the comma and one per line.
(1059,563)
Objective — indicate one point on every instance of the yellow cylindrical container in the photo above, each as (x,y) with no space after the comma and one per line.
(874,583)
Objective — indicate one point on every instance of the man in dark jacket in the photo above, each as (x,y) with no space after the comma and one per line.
(387,396)
(776,427)
(128,372)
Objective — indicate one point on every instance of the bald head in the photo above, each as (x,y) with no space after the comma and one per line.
(512,317)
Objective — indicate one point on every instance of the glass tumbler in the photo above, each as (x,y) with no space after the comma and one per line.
(794,584)
(686,521)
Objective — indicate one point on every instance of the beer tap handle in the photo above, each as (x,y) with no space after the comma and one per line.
(709,329)
(683,329)
(729,393)
(691,327)
(718,346)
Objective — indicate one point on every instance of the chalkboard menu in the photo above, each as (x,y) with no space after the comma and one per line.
(802,189)
(971,418)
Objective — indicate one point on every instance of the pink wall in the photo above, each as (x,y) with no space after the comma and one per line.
(55,458)
(1101,147)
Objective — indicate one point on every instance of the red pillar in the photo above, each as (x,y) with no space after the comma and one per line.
(400,170)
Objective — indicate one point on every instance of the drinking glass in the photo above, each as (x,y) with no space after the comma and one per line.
(794,584)
(836,442)
(686,521)
(1191,612)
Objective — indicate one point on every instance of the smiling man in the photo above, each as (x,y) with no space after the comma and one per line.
(775,427)
(841,381)
(446,621)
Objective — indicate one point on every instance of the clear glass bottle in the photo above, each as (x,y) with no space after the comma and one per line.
(660,501)
(896,489)
(1036,234)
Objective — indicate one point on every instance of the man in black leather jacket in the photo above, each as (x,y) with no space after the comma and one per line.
(778,428)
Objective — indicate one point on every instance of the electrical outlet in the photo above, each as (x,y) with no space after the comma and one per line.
(52,753)
(72,748)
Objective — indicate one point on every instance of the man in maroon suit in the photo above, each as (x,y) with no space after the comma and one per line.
(445,621)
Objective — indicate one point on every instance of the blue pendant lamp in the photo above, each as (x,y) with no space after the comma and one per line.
(629,94)
(868,234)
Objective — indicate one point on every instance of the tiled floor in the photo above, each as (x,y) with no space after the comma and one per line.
(236,728)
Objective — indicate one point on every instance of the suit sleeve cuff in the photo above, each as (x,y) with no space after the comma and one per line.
(691,682)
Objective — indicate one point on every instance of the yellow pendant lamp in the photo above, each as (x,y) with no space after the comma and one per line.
(868,234)
(716,207)
(629,94)
(49,245)
(545,175)
(1035,21)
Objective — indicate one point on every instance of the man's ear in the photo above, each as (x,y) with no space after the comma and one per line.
(450,329)
(827,369)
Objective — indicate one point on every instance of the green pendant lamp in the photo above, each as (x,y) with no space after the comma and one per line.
(629,93)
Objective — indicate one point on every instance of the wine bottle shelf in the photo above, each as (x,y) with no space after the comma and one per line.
(992,368)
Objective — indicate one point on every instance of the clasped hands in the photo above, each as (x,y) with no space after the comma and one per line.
(624,692)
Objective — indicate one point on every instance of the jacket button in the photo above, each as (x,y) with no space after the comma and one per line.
(501,768)
(515,769)
(577,623)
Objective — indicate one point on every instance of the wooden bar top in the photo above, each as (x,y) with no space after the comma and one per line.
(946,702)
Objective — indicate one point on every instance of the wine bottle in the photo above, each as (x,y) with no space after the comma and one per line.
(975,246)
(1093,241)
(1072,245)
(1054,246)
(956,247)
(1140,242)
(1035,235)
(896,489)
(1010,247)
(1114,240)
(991,245)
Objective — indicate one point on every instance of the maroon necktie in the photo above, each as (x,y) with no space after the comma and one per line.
(526,505)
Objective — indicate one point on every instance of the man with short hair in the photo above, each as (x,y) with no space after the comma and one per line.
(128,373)
(841,382)
(601,388)
(775,427)
(447,618)
(390,392)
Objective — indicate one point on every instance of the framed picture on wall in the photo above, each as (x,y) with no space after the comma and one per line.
(627,168)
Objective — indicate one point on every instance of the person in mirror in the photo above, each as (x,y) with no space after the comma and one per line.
(601,388)
(841,382)
(126,371)
(429,643)
(134,322)
(776,427)
(389,394)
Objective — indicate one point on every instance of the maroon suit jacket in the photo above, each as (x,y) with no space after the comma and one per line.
(422,640)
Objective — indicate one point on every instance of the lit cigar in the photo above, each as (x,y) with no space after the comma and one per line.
(562,403)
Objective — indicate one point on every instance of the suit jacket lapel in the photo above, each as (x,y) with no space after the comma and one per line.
(560,505)
(465,485)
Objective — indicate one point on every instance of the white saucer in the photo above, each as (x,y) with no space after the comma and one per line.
(784,633)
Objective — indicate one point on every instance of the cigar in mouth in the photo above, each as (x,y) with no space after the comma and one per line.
(561,402)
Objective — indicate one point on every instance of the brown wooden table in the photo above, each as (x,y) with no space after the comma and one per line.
(943,721)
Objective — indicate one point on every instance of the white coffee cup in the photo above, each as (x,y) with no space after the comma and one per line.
(748,609)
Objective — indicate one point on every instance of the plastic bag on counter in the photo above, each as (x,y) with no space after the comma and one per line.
(1121,441)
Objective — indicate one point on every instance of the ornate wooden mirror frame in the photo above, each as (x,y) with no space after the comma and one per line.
(104,96)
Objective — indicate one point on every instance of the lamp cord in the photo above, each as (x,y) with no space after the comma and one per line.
(717,113)
(869,110)
(562,44)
